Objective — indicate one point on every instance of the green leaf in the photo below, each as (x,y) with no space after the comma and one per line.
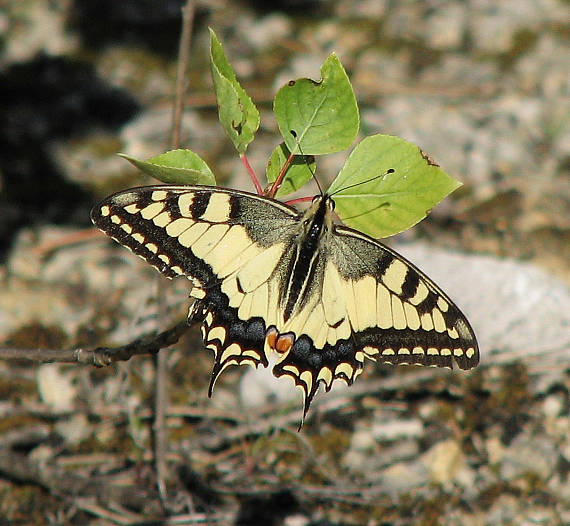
(388,185)
(298,173)
(175,167)
(236,111)
(323,115)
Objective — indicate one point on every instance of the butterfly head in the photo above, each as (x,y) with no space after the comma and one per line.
(318,218)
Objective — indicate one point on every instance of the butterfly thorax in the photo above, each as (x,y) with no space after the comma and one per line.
(314,228)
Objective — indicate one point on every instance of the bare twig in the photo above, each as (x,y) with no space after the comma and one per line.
(101,356)
(58,481)
(132,519)
(161,392)
(183,57)
(160,408)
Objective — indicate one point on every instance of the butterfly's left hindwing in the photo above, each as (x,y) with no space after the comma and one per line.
(267,277)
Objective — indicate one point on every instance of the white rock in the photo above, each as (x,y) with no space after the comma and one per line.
(264,32)
(445,28)
(296,520)
(258,387)
(362,440)
(55,387)
(405,476)
(397,428)
(74,429)
(495,450)
(553,405)
(518,311)
(444,460)
(528,454)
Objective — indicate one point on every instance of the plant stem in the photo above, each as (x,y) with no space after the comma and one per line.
(251,173)
(277,183)
(183,58)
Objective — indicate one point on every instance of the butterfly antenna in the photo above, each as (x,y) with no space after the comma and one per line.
(308,159)
(387,172)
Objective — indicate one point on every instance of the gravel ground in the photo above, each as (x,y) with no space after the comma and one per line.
(481,85)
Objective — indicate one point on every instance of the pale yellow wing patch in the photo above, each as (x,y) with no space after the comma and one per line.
(256,271)
(333,298)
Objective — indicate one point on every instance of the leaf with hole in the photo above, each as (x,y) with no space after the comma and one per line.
(388,185)
(237,113)
(323,116)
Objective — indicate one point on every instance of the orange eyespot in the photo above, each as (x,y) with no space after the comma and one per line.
(280,343)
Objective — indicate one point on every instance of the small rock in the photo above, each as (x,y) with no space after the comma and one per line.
(55,387)
(444,461)
(296,520)
(362,440)
(445,28)
(553,405)
(367,9)
(363,448)
(405,476)
(395,429)
(265,32)
(544,69)
(495,450)
(258,387)
(37,27)
(527,454)
(74,429)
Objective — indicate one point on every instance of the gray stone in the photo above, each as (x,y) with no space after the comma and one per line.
(529,455)
(404,476)
(494,25)
(445,27)
(518,311)
(387,431)
(265,32)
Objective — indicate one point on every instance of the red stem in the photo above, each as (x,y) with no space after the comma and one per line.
(279,180)
(252,175)
(305,199)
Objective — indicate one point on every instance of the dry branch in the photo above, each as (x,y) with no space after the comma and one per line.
(101,356)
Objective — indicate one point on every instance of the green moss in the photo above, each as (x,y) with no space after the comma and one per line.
(35,335)
(534,484)
(488,401)
(26,504)
(332,443)
(523,42)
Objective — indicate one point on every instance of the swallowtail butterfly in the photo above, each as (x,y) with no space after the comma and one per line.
(267,277)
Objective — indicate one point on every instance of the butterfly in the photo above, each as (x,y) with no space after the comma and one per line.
(269,278)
